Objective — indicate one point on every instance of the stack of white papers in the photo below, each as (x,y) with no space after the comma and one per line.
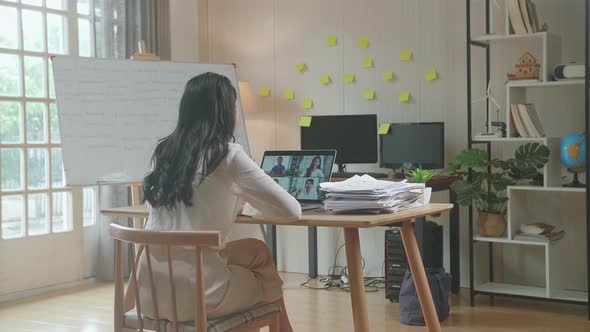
(367,194)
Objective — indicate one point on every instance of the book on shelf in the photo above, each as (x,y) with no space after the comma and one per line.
(548,238)
(539,232)
(523,16)
(525,121)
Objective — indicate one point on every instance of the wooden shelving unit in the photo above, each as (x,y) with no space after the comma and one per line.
(567,203)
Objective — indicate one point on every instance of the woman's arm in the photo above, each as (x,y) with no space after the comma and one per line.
(257,188)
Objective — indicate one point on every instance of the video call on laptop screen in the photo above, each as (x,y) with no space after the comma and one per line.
(300,172)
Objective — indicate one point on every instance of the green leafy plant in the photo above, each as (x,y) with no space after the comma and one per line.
(420,175)
(485,186)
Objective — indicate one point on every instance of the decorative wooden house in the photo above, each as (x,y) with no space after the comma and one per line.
(527,68)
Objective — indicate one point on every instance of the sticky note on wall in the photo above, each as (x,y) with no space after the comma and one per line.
(405,55)
(431,75)
(305,121)
(368,61)
(325,79)
(264,91)
(384,128)
(289,94)
(363,42)
(369,94)
(388,76)
(300,67)
(331,41)
(307,103)
(404,97)
(349,77)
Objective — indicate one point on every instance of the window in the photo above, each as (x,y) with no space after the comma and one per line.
(33,197)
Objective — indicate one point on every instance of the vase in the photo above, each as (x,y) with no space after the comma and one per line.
(491,224)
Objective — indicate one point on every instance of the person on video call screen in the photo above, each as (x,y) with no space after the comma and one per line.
(279,168)
(314,169)
(308,191)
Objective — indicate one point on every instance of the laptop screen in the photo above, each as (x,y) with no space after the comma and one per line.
(300,172)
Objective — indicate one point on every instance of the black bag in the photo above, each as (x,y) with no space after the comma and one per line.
(440,286)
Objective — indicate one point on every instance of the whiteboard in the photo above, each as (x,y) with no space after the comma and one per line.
(113,112)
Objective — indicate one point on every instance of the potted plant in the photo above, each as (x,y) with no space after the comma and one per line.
(420,175)
(485,185)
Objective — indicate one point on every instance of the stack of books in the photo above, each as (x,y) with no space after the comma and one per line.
(523,16)
(524,121)
(539,232)
(367,194)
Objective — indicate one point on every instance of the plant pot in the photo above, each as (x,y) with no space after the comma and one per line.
(491,224)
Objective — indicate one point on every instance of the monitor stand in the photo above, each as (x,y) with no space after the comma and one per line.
(341,168)
(399,175)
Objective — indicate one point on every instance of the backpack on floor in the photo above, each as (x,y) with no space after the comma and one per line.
(440,286)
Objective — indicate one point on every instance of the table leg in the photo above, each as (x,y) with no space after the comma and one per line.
(356,280)
(271,241)
(312,245)
(419,276)
(454,241)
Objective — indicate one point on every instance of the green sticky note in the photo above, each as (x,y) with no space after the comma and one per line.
(405,55)
(431,75)
(369,94)
(307,103)
(305,121)
(349,77)
(388,76)
(368,61)
(289,94)
(300,67)
(362,42)
(404,97)
(325,79)
(331,41)
(264,91)
(383,128)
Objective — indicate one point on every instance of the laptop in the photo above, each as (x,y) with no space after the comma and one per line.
(300,173)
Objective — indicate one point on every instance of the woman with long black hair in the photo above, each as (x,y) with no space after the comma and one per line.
(198,181)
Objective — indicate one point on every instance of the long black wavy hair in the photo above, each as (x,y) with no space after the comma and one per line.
(200,141)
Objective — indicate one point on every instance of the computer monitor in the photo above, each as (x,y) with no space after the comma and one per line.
(300,172)
(414,144)
(353,136)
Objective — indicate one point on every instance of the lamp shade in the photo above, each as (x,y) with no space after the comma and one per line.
(248,104)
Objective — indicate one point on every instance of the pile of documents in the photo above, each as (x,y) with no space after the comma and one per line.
(367,194)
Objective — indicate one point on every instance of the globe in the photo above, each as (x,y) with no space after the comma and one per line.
(572,150)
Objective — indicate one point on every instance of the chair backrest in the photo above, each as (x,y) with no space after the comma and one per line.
(142,240)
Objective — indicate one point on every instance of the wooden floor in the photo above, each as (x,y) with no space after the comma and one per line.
(89,309)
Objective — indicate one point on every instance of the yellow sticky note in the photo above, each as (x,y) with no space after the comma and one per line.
(405,55)
(264,91)
(404,97)
(289,94)
(388,76)
(305,121)
(307,103)
(325,79)
(383,128)
(431,75)
(300,67)
(349,77)
(331,41)
(368,61)
(369,94)
(363,42)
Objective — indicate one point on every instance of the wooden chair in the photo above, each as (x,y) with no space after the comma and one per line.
(132,320)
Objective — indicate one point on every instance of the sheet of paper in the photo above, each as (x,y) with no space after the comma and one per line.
(307,103)
(369,94)
(406,55)
(368,61)
(305,121)
(404,97)
(384,128)
(387,76)
(289,94)
(431,74)
(349,77)
(331,41)
(325,79)
(363,42)
(264,91)
(300,67)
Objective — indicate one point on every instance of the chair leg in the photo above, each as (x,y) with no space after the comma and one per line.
(274,326)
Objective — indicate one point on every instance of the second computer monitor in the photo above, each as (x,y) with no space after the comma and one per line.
(353,136)
(415,145)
